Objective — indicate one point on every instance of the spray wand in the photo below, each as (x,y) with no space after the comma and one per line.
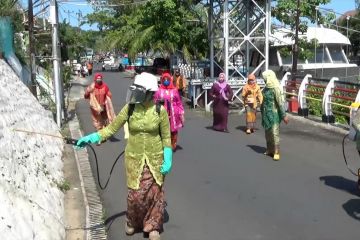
(67,140)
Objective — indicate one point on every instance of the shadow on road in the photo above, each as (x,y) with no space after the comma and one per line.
(209,127)
(114,139)
(241,128)
(110,220)
(244,128)
(222,131)
(178,147)
(352,208)
(342,184)
(257,149)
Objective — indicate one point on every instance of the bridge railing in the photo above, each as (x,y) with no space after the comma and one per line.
(330,96)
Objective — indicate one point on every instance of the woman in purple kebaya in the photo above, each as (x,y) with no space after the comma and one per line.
(221,93)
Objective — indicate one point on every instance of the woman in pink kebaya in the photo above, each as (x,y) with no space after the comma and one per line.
(169,96)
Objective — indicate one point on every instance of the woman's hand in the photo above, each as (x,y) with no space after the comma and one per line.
(286,120)
(167,163)
(91,138)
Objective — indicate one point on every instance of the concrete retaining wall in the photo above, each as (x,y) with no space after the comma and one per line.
(31,204)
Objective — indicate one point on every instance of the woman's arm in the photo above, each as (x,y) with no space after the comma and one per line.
(279,103)
(89,90)
(115,125)
(229,92)
(165,128)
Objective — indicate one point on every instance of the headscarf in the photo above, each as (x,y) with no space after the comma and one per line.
(251,77)
(98,76)
(271,80)
(162,79)
(222,86)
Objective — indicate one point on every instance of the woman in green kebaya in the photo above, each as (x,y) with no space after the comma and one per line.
(148,155)
(273,112)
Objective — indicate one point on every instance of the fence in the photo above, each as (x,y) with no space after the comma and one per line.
(335,97)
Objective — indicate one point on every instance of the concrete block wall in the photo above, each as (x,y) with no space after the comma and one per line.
(31,204)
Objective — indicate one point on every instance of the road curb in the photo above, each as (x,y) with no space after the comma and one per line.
(94,227)
(327,126)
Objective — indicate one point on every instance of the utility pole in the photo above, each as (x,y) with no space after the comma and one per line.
(43,15)
(296,44)
(32,48)
(79,14)
(68,13)
(56,61)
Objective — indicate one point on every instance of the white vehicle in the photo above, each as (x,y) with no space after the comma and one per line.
(111,64)
(89,54)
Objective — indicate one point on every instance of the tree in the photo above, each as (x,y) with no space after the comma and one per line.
(74,42)
(164,26)
(303,12)
(10,8)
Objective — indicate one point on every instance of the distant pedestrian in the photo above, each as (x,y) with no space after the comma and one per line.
(221,94)
(89,66)
(179,82)
(251,94)
(273,112)
(169,96)
(102,111)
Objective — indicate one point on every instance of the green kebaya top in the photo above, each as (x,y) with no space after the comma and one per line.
(272,110)
(149,133)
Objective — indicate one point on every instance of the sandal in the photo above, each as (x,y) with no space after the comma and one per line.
(129,230)
(154,235)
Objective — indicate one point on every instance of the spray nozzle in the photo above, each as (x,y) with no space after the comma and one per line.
(70,141)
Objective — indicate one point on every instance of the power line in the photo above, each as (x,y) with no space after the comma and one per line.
(81,3)
(337,13)
(350,29)
(332,11)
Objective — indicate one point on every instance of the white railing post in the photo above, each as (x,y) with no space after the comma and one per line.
(283,82)
(303,109)
(328,116)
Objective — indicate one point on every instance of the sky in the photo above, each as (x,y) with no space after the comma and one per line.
(341,6)
(67,10)
(72,10)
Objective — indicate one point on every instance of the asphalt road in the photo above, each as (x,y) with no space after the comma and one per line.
(223,187)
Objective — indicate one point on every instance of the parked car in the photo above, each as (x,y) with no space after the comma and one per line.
(159,66)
